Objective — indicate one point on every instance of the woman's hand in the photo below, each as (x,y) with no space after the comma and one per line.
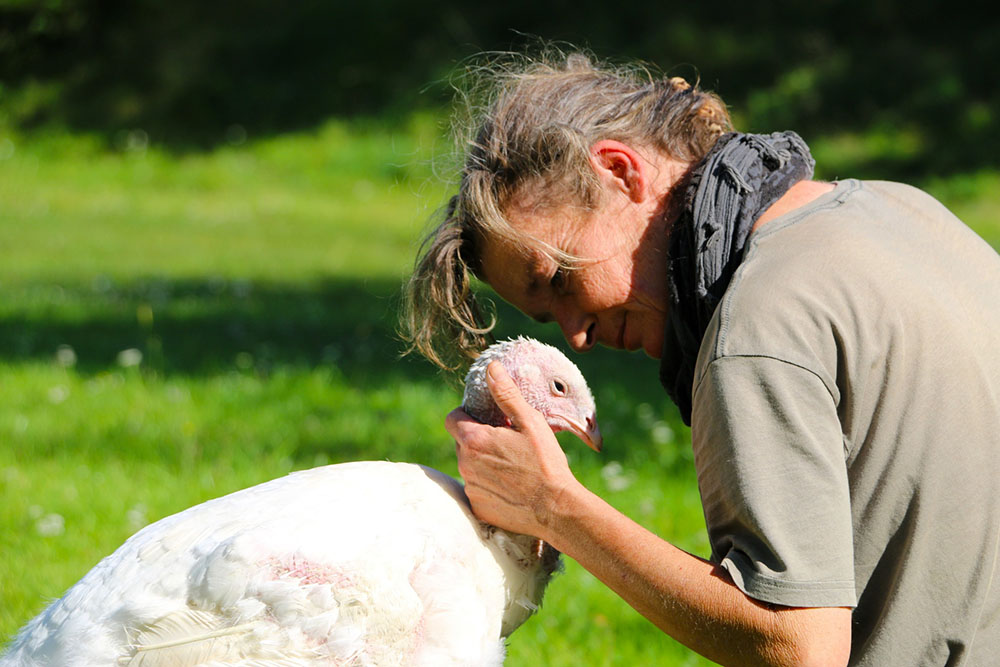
(514,476)
(518,479)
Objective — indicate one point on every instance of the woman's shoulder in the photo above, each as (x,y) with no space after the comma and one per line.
(820,268)
(866,257)
(869,204)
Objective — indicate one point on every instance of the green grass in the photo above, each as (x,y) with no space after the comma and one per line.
(256,288)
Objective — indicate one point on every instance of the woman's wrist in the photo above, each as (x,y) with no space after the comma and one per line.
(563,513)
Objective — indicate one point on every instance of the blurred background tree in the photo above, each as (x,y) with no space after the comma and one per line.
(915,79)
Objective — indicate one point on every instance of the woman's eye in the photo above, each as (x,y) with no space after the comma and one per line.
(558,280)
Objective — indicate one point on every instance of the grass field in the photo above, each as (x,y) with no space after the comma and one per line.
(176,327)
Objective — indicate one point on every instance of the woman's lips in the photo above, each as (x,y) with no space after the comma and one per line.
(622,342)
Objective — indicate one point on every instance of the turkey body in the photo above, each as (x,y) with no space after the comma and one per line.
(367,563)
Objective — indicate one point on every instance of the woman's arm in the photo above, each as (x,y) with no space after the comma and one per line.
(519,479)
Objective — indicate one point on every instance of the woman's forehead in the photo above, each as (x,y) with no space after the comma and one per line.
(511,262)
(518,278)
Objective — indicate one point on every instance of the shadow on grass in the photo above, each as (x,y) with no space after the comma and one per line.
(199,328)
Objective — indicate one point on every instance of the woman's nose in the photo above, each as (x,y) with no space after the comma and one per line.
(580,331)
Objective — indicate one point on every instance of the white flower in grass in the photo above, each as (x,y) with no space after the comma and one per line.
(58,394)
(177,394)
(130,357)
(132,141)
(661,433)
(7,148)
(136,517)
(65,356)
(50,525)
(615,476)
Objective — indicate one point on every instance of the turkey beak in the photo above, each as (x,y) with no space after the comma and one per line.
(587,430)
(592,435)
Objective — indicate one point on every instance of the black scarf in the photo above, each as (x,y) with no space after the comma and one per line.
(728,190)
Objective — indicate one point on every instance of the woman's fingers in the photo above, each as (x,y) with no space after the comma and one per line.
(511,474)
(456,420)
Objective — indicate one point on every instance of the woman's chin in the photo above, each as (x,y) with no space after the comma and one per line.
(653,348)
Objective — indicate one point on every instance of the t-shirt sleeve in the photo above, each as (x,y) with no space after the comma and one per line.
(771,469)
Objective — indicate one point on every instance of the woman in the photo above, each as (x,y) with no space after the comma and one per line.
(835,348)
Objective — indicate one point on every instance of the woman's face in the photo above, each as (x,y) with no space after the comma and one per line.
(616,297)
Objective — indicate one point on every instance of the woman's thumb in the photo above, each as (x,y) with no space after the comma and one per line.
(506,393)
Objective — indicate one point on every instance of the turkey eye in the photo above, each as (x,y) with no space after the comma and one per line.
(558,388)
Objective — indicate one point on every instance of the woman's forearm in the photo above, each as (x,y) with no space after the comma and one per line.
(687,597)
(518,479)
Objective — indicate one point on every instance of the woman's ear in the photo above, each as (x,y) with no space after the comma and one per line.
(620,167)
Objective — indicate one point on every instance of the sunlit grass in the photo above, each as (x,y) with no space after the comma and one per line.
(333,202)
(176,327)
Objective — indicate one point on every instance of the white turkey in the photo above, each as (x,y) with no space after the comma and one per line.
(367,563)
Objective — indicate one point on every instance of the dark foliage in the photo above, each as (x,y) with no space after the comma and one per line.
(188,72)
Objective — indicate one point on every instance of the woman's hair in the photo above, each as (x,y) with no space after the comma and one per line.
(525,129)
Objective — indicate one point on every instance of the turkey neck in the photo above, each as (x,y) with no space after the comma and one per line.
(479,403)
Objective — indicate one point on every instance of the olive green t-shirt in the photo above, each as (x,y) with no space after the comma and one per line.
(846,423)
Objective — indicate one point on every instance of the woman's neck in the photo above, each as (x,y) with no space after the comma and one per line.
(797,196)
